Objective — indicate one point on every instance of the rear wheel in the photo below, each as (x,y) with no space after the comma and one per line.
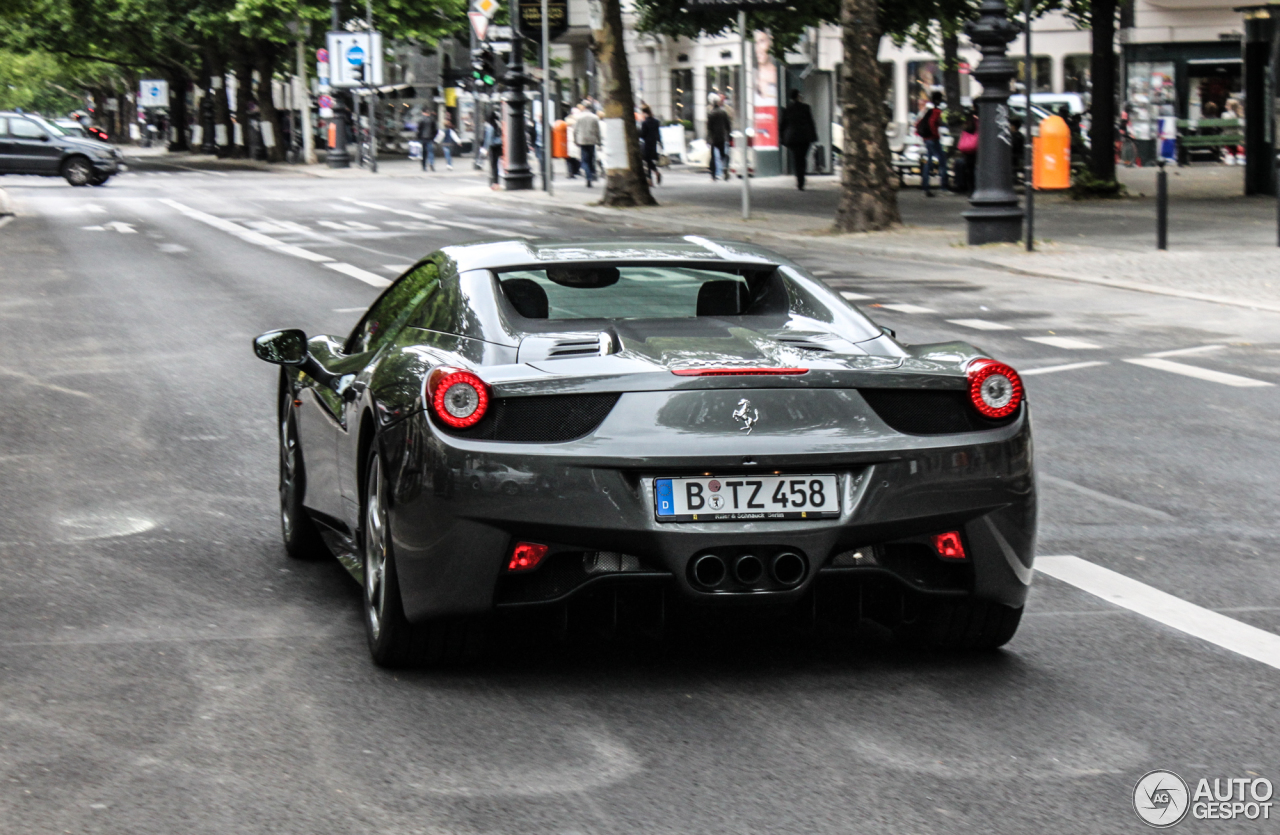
(301,537)
(393,640)
(967,625)
(77,171)
(99,179)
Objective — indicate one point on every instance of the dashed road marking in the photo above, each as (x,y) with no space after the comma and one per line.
(1071,366)
(980,324)
(1164,608)
(854,297)
(822,272)
(381,208)
(347,225)
(413,225)
(350,309)
(485,229)
(1182,352)
(903,307)
(357,273)
(1199,373)
(1069,343)
(247,235)
(396,268)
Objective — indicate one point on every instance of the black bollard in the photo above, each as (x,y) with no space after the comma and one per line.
(1162,208)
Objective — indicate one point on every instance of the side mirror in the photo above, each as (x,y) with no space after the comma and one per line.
(890,332)
(286,347)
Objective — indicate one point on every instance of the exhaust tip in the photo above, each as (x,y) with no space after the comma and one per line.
(788,568)
(748,570)
(709,570)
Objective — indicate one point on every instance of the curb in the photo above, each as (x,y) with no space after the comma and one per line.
(902,254)
(6,204)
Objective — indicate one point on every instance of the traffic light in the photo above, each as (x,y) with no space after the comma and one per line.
(358,72)
(484,67)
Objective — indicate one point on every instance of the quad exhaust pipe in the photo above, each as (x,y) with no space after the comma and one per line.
(787,569)
(748,570)
(709,570)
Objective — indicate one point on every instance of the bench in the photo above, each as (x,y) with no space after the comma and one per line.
(1190,138)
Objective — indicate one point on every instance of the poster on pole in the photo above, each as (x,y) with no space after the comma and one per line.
(765,95)
(351,50)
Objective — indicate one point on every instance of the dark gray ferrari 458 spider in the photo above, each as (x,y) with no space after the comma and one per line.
(646,425)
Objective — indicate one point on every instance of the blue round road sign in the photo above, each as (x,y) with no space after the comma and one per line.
(355,56)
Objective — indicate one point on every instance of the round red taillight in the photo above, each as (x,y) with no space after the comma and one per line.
(995,389)
(459,398)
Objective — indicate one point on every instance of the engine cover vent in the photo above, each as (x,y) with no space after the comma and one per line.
(564,346)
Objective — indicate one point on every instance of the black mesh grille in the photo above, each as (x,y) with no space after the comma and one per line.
(929,411)
(543,419)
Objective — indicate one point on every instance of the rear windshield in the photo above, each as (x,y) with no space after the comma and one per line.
(639,292)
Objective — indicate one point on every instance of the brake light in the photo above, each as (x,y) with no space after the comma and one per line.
(736,372)
(995,389)
(526,556)
(948,545)
(459,398)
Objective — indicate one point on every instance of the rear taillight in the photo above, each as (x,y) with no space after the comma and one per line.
(526,556)
(459,398)
(995,389)
(949,546)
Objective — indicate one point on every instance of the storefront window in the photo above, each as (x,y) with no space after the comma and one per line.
(1150,95)
(1076,77)
(1044,74)
(1215,89)
(682,95)
(722,81)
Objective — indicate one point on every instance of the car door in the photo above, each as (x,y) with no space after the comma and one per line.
(318,410)
(384,321)
(6,154)
(33,149)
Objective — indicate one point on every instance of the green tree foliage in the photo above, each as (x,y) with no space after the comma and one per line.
(43,83)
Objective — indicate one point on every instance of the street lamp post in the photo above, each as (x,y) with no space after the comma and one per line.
(338,156)
(993,214)
(519,176)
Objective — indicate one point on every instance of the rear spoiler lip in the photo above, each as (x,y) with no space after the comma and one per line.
(664,380)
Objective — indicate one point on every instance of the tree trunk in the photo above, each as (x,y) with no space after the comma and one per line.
(868,201)
(178,83)
(1102,130)
(243,71)
(270,122)
(222,129)
(951,76)
(625,181)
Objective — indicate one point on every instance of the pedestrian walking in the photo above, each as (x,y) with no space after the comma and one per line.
(798,132)
(929,129)
(718,129)
(967,148)
(449,142)
(587,134)
(493,147)
(426,134)
(572,162)
(650,139)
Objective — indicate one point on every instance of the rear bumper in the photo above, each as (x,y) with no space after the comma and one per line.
(454,530)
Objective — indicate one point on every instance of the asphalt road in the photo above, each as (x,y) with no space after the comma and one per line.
(165,668)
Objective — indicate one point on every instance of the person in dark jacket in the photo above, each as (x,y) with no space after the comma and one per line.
(650,139)
(427,136)
(718,129)
(798,132)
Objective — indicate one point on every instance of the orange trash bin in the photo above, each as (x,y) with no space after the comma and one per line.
(560,139)
(1051,165)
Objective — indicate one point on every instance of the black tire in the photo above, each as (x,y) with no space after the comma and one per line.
(99,179)
(967,625)
(393,641)
(302,539)
(78,171)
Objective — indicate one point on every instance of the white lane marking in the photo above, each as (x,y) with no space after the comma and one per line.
(980,324)
(1200,373)
(350,309)
(247,235)
(355,272)
(1069,343)
(1162,607)
(381,208)
(170,247)
(396,268)
(821,272)
(1105,498)
(485,229)
(853,297)
(94,228)
(347,225)
(348,209)
(1182,352)
(5,221)
(1050,369)
(265,226)
(413,225)
(435,205)
(121,227)
(908,308)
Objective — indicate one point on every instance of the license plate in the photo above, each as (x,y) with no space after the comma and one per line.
(729,498)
